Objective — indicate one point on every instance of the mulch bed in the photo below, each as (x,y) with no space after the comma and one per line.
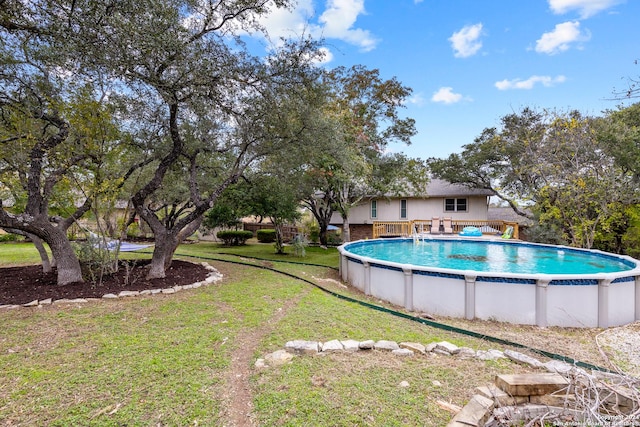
(21,285)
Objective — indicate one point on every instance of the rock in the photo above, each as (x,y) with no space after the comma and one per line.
(278,357)
(303,347)
(332,346)
(9,306)
(523,358)
(109,296)
(46,301)
(447,347)
(413,346)
(178,288)
(128,294)
(466,353)
(500,397)
(366,345)
(490,354)
(145,292)
(403,384)
(351,345)
(475,413)
(430,347)
(31,304)
(155,291)
(558,366)
(385,345)
(436,383)
(260,364)
(402,352)
(168,291)
(531,384)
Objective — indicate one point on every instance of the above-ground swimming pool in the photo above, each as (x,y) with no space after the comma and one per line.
(500,280)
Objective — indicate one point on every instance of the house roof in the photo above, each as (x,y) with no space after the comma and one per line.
(442,188)
(507,214)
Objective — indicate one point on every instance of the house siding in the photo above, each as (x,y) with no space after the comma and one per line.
(417,208)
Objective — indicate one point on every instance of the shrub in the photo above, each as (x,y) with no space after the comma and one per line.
(96,261)
(268,235)
(314,233)
(234,237)
(299,244)
(9,237)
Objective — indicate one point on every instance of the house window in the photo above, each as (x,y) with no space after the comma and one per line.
(455,205)
(374,209)
(403,209)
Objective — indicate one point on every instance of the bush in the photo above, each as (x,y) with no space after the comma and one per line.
(9,237)
(268,235)
(299,244)
(234,237)
(314,233)
(96,261)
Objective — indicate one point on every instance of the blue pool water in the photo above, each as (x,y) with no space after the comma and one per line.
(483,256)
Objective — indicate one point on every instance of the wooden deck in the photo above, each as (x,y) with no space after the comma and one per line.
(423,226)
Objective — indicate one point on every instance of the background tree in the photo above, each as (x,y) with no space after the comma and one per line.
(555,162)
(277,198)
(229,209)
(366,109)
(54,129)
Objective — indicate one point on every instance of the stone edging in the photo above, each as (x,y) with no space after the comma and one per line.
(213,277)
(407,349)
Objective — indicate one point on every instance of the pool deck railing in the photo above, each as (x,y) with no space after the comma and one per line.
(423,226)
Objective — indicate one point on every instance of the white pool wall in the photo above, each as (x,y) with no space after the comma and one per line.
(598,300)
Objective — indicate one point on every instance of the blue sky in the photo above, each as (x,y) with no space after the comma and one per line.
(470,62)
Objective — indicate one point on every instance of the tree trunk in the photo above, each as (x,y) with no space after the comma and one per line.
(279,240)
(166,243)
(162,256)
(323,235)
(346,233)
(39,227)
(37,242)
(68,266)
(44,256)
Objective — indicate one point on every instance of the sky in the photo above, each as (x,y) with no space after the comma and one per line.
(471,62)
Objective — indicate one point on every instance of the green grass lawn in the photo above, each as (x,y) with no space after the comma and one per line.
(165,359)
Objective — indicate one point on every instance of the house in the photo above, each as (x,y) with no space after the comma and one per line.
(440,199)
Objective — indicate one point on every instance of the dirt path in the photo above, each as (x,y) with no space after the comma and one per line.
(237,400)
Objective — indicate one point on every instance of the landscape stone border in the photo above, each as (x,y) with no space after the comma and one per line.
(212,277)
(510,400)
(405,349)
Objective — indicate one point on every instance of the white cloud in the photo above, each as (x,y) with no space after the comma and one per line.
(446,95)
(585,8)
(338,20)
(530,82)
(288,23)
(561,37)
(327,56)
(416,99)
(466,42)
